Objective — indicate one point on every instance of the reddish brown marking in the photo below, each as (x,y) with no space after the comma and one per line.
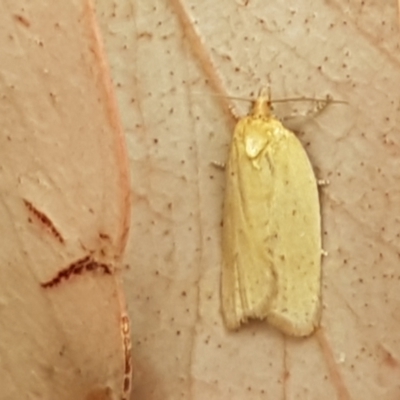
(78,268)
(333,369)
(127,384)
(391,361)
(44,220)
(286,374)
(104,236)
(21,19)
(388,358)
(126,337)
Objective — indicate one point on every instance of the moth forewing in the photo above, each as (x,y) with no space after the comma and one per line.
(271,237)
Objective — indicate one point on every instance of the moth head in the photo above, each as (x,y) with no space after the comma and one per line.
(262,106)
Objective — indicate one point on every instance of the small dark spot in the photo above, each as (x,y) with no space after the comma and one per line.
(22,20)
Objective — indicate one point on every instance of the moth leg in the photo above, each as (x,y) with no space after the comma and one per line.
(323,182)
(219,165)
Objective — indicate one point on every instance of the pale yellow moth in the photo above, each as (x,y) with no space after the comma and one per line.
(271,237)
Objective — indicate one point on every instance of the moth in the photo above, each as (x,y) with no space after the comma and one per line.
(271,236)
